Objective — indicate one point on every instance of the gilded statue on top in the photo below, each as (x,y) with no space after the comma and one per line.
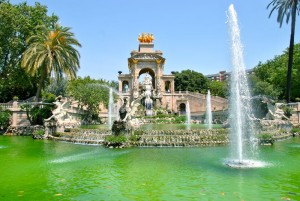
(146,38)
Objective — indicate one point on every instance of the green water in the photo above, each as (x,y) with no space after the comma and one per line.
(49,170)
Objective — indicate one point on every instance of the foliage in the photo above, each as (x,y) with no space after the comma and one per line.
(270,76)
(16,25)
(57,87)
(189,80)
(134,138)
(138,132)
(261,87)
(36,113)
(4,118)
(180,119)
(116,139)
(287,9)
(287,111)
(295,130)
(51,51)
(218,88)
(265,136)
(39,132)
(90,93)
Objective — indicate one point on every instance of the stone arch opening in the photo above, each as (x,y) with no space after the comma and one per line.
(168,86)
(182,108)
(142,74)
(125,86)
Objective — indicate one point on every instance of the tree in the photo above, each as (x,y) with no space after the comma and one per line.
(269,77)
(5,115)
(57,87)
(36,113)
(90,93)
(189,80)
(287,8)
(261,87)
(16,25)
(51,51)
(218,88)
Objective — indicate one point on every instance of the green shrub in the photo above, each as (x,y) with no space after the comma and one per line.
(295,130)
(265,136)
(138,132)
(39,132)
(4,118)
(134,138)
(287,111)
(15,98)
(180,119)
(116,139)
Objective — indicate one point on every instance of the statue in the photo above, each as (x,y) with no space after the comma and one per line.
(59,112)
(126,113)
(61,116)
(123,110)
(146,38)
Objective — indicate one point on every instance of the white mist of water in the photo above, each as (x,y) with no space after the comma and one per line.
(110,107)
(188,116)
(240,105)
(208,111)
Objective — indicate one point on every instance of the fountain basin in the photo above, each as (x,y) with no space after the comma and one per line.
(235,163)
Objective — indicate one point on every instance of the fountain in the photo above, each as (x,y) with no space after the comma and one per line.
(208,111)
(188,116)
(148,94)
(241,125)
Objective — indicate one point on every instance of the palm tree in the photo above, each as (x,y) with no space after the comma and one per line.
(51,52)
(287,8)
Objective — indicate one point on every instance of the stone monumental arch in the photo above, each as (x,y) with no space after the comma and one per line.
(150,63)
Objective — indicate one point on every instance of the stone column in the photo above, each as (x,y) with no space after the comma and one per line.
(158,77)
(15,114)
(135,80)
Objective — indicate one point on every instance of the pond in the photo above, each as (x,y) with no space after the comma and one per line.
(51,170)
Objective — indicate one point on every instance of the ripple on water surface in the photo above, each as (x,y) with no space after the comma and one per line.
(235,163)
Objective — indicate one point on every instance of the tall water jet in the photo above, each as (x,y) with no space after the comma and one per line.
(241,125)
(188,115)
(208,111)
(110,107)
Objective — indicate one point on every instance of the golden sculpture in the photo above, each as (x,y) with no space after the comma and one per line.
(135,61)
(146,38)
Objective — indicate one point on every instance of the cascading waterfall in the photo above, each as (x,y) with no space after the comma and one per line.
(208,111)
(241,125)
(188,116)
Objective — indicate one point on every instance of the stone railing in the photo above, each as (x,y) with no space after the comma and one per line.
(6,105)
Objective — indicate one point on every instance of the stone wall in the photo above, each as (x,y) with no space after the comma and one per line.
(22,130)
(182,138)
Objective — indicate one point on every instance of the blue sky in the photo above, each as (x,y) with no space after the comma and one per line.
(192,34)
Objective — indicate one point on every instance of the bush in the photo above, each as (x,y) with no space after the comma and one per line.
(295,130)
(265,136)
(287,111)
(40,132)
(180,119)
(116,139)
(4,118)
(15,98)
(134,138)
